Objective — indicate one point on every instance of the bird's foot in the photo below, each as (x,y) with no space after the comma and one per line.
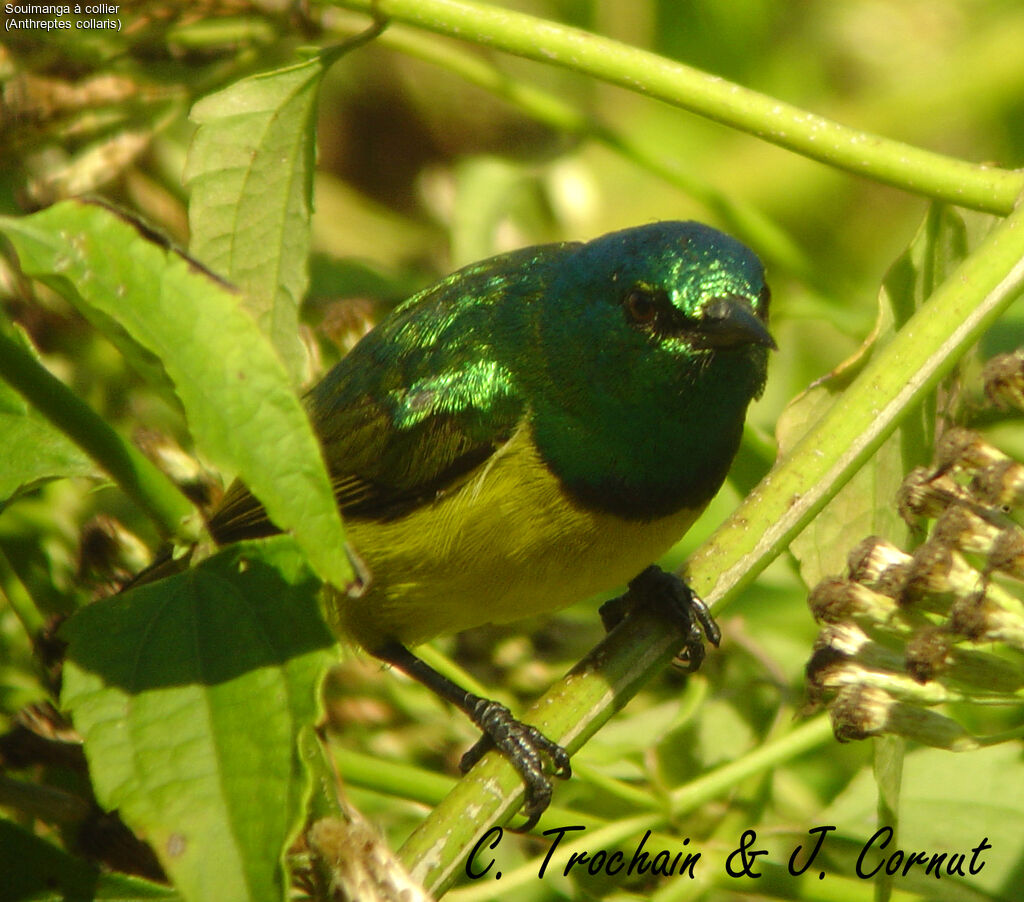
(526,749)
(678,602)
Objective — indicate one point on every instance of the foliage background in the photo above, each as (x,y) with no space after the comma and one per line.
(420,172)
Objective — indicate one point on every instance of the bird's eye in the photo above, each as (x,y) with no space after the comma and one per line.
(641,307)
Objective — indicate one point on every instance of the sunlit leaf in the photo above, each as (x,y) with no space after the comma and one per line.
(31,450)
(191,694)
(982,788)
(250,171)
(241,408)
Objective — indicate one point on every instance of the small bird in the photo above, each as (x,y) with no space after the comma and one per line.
(534,429)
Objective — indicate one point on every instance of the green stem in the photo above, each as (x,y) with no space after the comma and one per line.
(47,803)
(892,162)
(416,784)
(888,768)
(570,713)
(13,590)
(140,479)
(772,754)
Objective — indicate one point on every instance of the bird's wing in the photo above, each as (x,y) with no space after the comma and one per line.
(378,471)
(419,403)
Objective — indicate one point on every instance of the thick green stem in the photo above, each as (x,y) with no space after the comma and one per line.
(602,834)
(140,479)
(892,162)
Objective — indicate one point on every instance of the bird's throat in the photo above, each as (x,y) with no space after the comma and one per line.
(643,462)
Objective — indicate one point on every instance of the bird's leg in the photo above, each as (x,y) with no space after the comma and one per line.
(678,602)
(523,745)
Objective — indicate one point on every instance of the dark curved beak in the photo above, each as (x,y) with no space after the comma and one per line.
(730,321)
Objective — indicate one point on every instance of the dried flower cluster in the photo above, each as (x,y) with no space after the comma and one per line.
(903,633)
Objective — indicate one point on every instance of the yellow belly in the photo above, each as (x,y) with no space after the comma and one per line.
(503,545)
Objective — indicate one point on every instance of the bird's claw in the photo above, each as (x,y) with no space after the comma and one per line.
(678,602)
(526,748)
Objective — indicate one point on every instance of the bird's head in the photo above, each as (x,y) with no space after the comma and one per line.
(660,309)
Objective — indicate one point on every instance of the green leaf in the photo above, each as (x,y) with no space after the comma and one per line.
(250,171)
(863,507)
(191,694)
(35,869)
(949,803)
(866,504)
(31,450)
(240,405)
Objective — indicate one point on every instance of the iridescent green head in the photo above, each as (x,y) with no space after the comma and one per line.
(671,295)
(653,341)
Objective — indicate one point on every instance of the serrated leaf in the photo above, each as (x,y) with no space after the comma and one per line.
(191,694)
(240,405)
(865,505)
(250,171)
(35,869)
(31,450)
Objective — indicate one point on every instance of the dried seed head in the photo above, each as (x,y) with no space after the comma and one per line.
(858,650)
(896,634)
(1007,552)
(859,713)
(965,449)
(836,600)
(965,529)
(840,640)
(1003,376)
(829,601)
(872,559)
(928,653)
(992,616)
(968,618)
(893,583)
(822,660)
(939,570)
(924,494)
(845,639)
(999,485)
